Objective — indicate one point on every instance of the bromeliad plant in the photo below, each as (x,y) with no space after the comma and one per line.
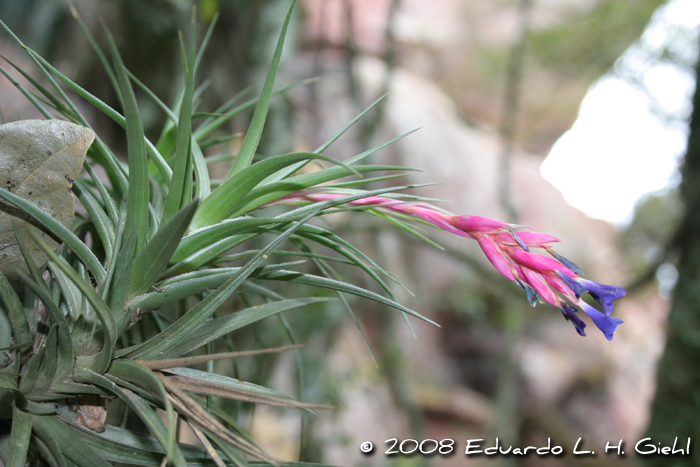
(107,305)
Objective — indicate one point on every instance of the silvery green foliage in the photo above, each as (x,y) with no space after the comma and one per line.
(108,304)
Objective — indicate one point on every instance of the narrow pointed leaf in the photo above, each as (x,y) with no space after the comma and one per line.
(99,361)
(252,137)
(161,343)
(213,233)
(317,281)
(218,327)
(151,262)
(47,435)
(104,226)
(19,438)
(47,371)
(65,358)
(82,454)
(211,382)
(31,370)
(141,376)
(138,195)
(57,229)
(265,194)
(15,311)
(221,203)
(183,154)
(142,409)
(70,292)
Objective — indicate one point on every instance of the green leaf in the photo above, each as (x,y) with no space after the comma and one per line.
(15,311)
(64,361)
(138,441)
(122,446)
(38,162)
(316,281)
(231,388)
(151,262)
(141,376)
(6,331)
(72,113)
(56,228)
(218,327)
(107,200)
(52,100)
(138,196)
(327,271)
(183,154)
(264,194)
(161,343)
(70,292)
(47,435)
(47,371)
(19,438)
(10,394)
(95,46)
(222,202)
(112,162)
(82,454)
(187,285)
(101,360)
(204,237)
(103,225)
(252,137)
(31,370)
(394,219)
(235,455)
(211,124)
(290,170)
(142,409)
(201,172)
(366,181)
(30,97)
(116,288)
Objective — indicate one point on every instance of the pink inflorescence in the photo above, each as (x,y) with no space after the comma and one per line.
(557,281)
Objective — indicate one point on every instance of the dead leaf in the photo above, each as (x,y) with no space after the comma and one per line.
(38,162)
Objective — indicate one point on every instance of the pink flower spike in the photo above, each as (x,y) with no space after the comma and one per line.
(480,224)
(531,239)
(538,262)
(495,255)
(565,290)
(540,284)
(553,280)
(438,219)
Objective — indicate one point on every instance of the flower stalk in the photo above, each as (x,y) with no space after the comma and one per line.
(554,280)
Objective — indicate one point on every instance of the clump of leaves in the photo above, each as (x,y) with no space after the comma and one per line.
(89,307)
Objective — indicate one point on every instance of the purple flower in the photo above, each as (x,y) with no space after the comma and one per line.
(569,313)
(607,324)
(603,294)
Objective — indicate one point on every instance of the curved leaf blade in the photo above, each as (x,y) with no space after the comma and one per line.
(150,263)
(252,137)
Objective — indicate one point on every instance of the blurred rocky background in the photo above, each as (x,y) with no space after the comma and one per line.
(492,85)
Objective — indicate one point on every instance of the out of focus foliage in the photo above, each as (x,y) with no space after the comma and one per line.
(589,44)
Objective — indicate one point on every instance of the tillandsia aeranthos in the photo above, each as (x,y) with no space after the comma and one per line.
(107,304)
(509,252)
